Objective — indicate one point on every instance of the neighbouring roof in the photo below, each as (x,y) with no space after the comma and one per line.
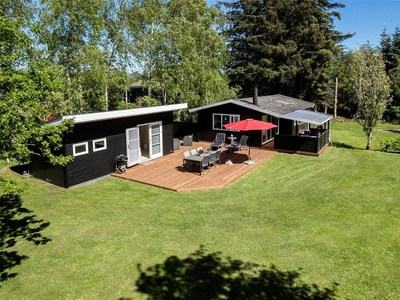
(116,114)
(309,116)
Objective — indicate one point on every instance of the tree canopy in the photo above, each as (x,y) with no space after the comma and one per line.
(181,54)
(390,48)
(282,46)
(371,88)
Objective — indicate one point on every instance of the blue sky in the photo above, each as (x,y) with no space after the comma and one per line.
(367,18)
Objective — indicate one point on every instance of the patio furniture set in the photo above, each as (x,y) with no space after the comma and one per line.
(205,159)
(201,159)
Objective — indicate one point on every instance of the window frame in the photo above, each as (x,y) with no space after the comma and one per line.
(99,140)
(74,146)
(221,115)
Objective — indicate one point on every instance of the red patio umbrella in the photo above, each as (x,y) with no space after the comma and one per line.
(250,124)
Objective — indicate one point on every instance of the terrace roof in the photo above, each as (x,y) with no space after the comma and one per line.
(308,116)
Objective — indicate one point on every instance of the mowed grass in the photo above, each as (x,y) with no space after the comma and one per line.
(335,217)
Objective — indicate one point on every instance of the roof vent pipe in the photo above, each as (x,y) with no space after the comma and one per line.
(255,95)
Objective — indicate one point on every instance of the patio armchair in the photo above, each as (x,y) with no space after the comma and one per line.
(219,141)
(242,144)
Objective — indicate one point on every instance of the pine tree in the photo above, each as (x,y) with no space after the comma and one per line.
(390,49)
(283,46)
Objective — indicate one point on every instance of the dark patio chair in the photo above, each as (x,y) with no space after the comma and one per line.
(211,161)
(204,163)
(218,157)
(185,162)
(219,141)
(242,144)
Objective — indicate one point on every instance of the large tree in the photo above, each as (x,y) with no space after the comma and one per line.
(371,88)
(90,40)
(390,48)
(181,53)
(283,46)
(26,88)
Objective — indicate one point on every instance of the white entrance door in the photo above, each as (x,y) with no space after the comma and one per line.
(133,150)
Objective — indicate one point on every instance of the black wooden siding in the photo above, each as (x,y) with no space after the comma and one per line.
(93,165)
(42,169)
(205,121)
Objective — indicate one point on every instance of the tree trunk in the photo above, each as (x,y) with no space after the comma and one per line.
(335,107)
(106,96)
(369,139)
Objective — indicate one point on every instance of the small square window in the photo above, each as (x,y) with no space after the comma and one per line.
(99,145)
(80,149)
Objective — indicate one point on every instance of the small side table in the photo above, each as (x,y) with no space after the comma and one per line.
(232,138)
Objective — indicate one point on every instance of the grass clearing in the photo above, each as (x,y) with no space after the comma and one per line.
(335,217)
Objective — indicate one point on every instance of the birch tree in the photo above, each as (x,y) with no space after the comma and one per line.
(371,88)
(181,54)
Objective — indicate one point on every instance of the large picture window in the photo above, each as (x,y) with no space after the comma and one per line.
(80,149)
(100,144)
(219,120)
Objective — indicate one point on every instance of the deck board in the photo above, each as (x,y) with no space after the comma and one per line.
(167,172)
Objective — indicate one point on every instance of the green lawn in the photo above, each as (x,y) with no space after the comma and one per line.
(336,217)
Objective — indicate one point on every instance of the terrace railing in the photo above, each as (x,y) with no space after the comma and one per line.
(302,143)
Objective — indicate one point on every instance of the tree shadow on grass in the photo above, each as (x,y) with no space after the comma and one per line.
(394,130)
(209,276)
(17,223)
(342,145)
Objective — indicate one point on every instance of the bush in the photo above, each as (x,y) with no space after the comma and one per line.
(390,145)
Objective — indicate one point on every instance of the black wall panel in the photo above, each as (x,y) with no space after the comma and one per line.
(93,165)
(42,169)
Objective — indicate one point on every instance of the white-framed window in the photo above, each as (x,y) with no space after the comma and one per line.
(219,120)
(100,144)
(80,149)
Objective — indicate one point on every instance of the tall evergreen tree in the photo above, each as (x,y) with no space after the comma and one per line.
(390,49)
(283,46)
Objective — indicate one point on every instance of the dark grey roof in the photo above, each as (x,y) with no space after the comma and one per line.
(280,104)
(237,102)
(274,105)
(308,116)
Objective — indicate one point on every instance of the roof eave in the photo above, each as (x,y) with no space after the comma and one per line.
(240,103)
(116,114)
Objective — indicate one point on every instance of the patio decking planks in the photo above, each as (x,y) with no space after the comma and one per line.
(167,172)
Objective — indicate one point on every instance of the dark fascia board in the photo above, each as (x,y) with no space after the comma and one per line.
(240,103)
(116,114)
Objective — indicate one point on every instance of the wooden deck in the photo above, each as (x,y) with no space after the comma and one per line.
(167,172)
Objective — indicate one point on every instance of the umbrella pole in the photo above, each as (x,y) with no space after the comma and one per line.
(249,161)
